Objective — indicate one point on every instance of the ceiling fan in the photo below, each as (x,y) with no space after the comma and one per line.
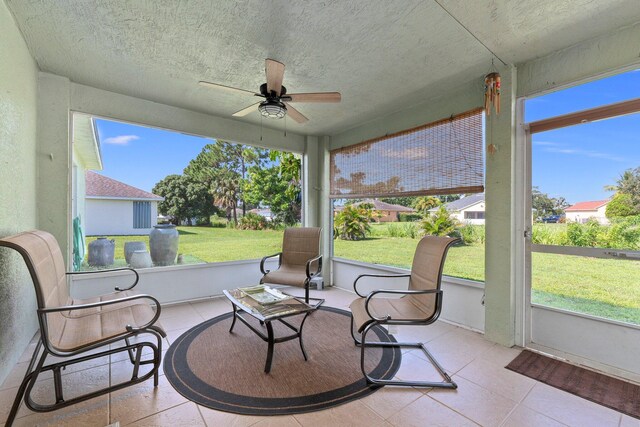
(277,100)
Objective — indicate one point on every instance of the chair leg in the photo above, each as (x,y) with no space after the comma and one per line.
(28,379)
(159,334)
(447,383)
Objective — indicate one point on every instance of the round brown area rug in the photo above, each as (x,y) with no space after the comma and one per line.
(225,371)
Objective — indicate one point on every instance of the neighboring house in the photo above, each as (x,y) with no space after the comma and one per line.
(264,212)
(387,212)
(468,210)
(582,211)
(116,208)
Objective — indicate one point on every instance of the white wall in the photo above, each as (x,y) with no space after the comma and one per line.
(459,215)
(175,283)
(18,175)
(115,218)
(605,345)
(584,216)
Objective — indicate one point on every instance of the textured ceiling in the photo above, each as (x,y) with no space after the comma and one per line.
(381,55)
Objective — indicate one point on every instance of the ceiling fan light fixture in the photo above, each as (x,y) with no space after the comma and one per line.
(272,109)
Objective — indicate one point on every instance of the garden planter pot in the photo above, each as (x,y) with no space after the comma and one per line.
(101,252)
(131,247)
(140,259)
(163,242)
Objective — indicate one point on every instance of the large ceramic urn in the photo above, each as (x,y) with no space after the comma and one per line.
(163,242)
(101,252)
(131,247)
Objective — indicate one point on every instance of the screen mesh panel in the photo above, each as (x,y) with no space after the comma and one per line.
(443,157)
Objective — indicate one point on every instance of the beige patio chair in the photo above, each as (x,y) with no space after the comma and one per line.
(70,329)
(299,262)
(419,305)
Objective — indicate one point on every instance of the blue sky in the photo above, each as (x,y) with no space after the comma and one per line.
(575,163)
(142,156)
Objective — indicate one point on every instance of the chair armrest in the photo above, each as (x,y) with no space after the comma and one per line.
(117,288)
(355,282)
(438,292)
(45,311)
(262,270)
(311,261)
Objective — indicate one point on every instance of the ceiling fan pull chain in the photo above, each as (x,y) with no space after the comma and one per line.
(261,117)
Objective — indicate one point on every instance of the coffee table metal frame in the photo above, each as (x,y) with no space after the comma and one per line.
(270,338)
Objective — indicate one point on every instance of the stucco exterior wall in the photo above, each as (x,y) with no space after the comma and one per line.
(460,215)
(115,218)
(18,114)
(584,216)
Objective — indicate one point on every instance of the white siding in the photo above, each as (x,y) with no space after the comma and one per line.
(583,216)
(460,215)
(106,217)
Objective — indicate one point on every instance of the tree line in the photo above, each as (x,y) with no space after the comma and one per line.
(226,177)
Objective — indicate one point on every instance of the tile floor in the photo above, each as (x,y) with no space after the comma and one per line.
(488,394)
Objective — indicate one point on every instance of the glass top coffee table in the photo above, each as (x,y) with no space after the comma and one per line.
(267,305)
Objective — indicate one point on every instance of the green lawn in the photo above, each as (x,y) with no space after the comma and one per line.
(207,244)
(607,288)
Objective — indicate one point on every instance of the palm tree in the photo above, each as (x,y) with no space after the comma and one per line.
(226,195)
(423,204)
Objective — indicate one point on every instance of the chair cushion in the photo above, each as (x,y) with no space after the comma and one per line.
(88,326)
(405,308)
(299,245)
(287,275)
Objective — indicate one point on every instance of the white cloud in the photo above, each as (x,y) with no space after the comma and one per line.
(586,153)
(121,139)
(556,147)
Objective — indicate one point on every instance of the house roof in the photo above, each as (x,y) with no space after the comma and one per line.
(465,202)
(587,206)
(85,142)
(382,206)
(102,187)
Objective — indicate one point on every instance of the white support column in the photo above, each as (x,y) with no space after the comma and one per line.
(54,158)
(325,212)
(311,182)
(500,226)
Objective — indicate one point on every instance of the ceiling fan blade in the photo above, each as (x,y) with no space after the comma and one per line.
(251,108)
(227,88)
(275,74)
(295,114)
(314,97)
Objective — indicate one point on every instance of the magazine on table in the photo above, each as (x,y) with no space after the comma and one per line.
(264,295)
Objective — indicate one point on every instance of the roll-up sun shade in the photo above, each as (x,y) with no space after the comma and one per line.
(443,157)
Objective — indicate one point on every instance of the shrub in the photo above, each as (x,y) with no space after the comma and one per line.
(620,206)
(549,234)
(409,217)
(402,230)
(624,233)
(353,222)
(253,221)
(471,234)
(440,223)
(217,222)
(202,221)
(586,235)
